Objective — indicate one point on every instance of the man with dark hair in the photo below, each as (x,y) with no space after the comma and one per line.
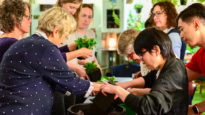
(191,23)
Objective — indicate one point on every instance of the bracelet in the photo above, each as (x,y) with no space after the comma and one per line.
(196,109)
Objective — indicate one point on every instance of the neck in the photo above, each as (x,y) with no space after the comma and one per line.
(16,33)
(162,63)
(82,31)
(202,41)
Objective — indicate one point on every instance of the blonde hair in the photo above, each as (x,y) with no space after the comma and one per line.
(126,41)
(56,16)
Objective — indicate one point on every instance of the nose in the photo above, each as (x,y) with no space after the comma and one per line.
(181,35)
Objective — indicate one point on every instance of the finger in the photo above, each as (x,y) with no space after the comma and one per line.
(116,96)
(87,77)
(104,93)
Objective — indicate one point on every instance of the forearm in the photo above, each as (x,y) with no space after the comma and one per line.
(73,54)
(72,47)
(121,93)
(201,106)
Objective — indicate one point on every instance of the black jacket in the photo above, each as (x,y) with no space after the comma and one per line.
(169,93)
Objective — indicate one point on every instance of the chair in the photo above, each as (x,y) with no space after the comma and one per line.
(125,70)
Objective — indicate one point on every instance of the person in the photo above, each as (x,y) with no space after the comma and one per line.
(71,6)
(14,23)
(191,23)
(84,20)
(33,68)
(149,23)
(169,88)
(164,15)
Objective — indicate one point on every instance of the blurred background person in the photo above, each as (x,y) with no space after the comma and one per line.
(164,15)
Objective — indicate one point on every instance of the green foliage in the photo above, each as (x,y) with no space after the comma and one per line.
(138,6)
(134,23)
(90,67)
(201,1)
(192,50)
(107,79)
(175,2)
(116,18)
(85,42)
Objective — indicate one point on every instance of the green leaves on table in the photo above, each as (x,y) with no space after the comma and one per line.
(107,79)
(85,42)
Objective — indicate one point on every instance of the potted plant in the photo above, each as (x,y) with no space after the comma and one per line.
(93,71)
(138,7)
(85,42)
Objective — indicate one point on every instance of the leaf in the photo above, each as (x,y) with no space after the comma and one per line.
(90,67)
(116,18)
(85,42)
(107,79)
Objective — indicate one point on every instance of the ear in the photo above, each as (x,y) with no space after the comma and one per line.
(196,23)
(157,50)
(55,32)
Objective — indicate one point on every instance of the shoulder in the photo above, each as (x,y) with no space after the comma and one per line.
(90,33)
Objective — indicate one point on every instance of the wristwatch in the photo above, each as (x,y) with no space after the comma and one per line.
(196,109)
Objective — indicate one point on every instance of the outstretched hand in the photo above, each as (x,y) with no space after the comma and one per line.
(108,88)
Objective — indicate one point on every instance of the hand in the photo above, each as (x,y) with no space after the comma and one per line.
(108,88)
(137,75)
(82,62)
(85,52)
(190,110)
(82,73)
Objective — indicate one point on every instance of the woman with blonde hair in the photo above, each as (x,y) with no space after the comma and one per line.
(33,68)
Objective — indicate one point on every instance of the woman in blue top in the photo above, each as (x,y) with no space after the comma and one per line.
(33,68)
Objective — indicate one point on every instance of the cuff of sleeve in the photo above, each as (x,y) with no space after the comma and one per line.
(90,89)
(64,56)
(65,48)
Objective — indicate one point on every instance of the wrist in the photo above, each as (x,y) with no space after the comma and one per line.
(195,109)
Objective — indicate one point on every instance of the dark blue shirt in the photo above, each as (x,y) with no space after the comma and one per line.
(5,43)
(30,71)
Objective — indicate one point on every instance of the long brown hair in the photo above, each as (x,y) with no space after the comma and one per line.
(170,11)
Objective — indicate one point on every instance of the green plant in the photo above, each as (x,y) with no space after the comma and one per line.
(138,6)
(201,1)
(114,15)
(134,22)
(85,42)
(90,67)
(107,79)
(175,2)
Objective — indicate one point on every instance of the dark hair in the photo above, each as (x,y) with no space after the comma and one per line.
(85,6)
(194,10)
(150,37)
(170,11)
(12,12)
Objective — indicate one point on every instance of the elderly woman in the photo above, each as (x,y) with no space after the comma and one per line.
(33,68)
(169,87)
(164,15)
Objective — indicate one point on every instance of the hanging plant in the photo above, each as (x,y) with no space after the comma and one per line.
(138,7)
(114,15)
(175,2)
(201,1)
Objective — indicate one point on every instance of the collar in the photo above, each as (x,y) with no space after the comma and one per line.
(168,29)
(41,33)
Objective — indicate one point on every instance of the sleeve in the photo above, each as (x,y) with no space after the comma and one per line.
(193,64)
(64,48)
(176,43)
(158,101)
(56,72)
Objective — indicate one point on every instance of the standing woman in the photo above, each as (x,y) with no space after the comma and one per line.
(15,22)
(164,15)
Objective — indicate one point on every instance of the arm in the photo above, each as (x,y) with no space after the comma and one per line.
(201,107)
(139,82)
(192,75)
(83,52)
(139,91)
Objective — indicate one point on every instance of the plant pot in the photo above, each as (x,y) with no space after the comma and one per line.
(91,109)
(95,75)
(80,58)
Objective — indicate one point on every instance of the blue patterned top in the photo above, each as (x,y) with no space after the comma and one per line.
(30,71)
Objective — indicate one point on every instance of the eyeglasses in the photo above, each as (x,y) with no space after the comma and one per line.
(131,55)
(28,16)
(157,14)
(141,54)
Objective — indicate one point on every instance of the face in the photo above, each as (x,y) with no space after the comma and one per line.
(149,59)
(26,22)
(86,16)
(131,55)
(71,7)
(58,40)
(160,18)
(188,32)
